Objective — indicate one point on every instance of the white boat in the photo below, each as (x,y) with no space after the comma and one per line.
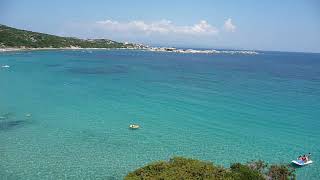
(301,163)
(5,66)
(134,126)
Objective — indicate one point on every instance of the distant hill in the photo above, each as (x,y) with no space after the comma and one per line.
(17,38)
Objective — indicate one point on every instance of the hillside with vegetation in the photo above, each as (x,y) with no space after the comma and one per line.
(17,38)
(184,168)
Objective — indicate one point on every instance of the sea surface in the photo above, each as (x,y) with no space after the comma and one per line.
(65,114)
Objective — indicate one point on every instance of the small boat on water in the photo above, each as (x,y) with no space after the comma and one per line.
(5,66)
(301,162)
(134,126)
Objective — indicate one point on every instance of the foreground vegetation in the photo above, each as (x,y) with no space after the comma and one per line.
(16,38)
(184,168)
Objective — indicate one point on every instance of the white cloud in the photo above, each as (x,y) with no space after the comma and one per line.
(229,26)
(159,27)
(163,32)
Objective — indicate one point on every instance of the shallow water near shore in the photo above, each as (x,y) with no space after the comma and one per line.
(65,114)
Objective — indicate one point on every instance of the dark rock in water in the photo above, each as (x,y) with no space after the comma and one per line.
(111,178)
(54,65)
(7,125)
(99,70)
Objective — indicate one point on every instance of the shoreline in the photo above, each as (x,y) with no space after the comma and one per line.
(151,49)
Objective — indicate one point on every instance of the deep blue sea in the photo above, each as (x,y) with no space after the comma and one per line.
(65,114)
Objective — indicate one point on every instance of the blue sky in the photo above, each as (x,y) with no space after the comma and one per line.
(286,25)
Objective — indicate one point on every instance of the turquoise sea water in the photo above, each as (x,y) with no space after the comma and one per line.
(223,108)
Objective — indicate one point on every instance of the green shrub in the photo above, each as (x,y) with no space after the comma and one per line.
(258,166)
(187,169)
(281,172)
(179,168)
(241,171)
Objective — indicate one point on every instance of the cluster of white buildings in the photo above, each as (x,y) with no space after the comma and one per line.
(193,51)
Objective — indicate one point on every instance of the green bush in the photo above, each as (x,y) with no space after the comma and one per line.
(241,171)
(281,172)
(180,168)
(187,169)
